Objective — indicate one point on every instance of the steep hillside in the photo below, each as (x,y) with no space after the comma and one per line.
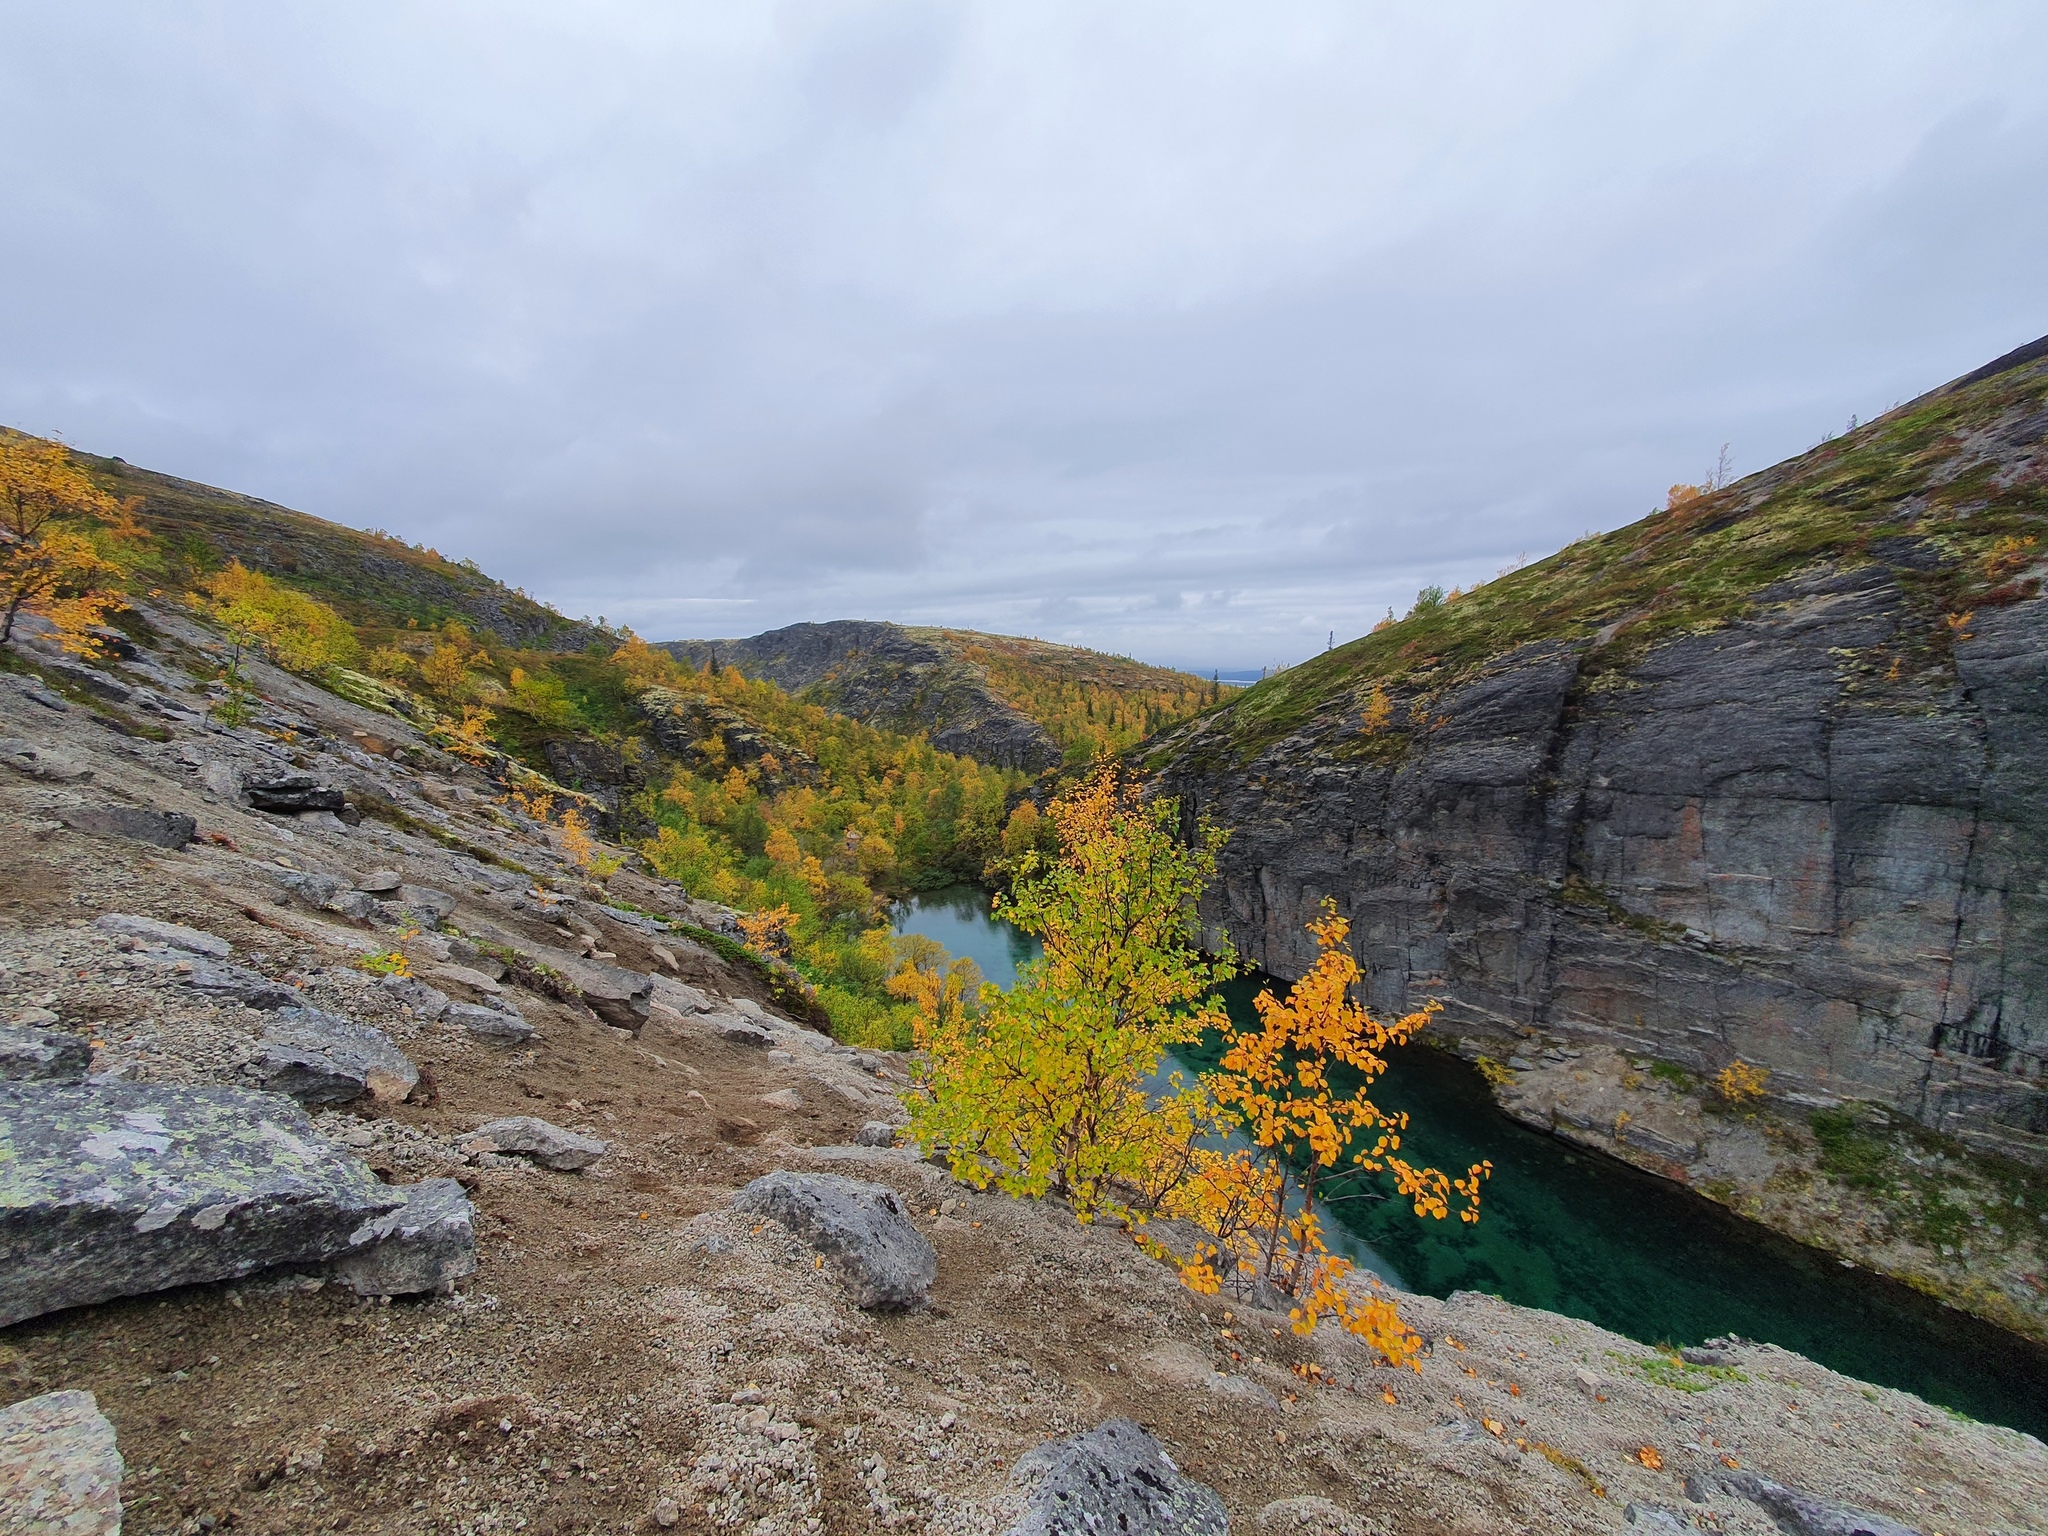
(1760,778)
(1008,701)
(373,578)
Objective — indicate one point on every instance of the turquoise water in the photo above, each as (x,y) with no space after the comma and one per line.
(1591,1237)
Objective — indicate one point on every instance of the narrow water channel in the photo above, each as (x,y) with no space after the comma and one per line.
(1582,1234)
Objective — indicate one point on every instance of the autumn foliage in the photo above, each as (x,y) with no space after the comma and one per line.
(1054,1087)
(67,548)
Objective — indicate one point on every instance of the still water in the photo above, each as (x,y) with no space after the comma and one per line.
(1581,1234)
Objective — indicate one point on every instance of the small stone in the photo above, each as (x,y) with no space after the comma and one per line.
(783,1098)
(667,1512)
(176,935)
(379,882)
(60,1470)
(876,1133)
(548,1145)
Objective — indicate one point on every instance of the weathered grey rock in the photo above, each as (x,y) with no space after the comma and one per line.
(225,983)
(60,1470)
(326,892)
(1801,1514)
(502,1022)
(737,1029)
(1114,1477)
(42,763)
(290,793)
(548,1145)
(119,1189)
(43,1054)
(426,1244)
(163,829)
(876,1133)
(683,998)
(410,992)
(380,882)
(432,906)
(322,1058)
(468,976)
(176,935)
(615,994)
(1653,1520)
(862,1228)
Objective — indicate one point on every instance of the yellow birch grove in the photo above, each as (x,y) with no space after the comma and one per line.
(66,546)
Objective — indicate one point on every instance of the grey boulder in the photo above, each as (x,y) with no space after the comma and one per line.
(41,763)
(738,1030)
(500,1023)
(238,984)
(1114,1477)
(164,829)
(876,1133)
(862,1228)
(194,941)
(26,1052)
(380,882)
(432,907)
(410,992)
(322,1058)
(548,1145)
(60,1471)
(1803,1515)
(426,1244)
(290,793)
(119,1189)
(615,994)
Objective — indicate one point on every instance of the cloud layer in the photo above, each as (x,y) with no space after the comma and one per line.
(1193,331)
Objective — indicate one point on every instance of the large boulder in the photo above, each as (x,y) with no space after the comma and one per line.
(1114,1477)
(1801,1514)
(499,1022)
(322,1058)
(60,1471)
(27,1052)
(118,1189)
(618,996)
(426,1244)
(548,1145)
(862,1228)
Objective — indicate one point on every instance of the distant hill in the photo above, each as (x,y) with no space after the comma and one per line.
(373,578)
(1010,702)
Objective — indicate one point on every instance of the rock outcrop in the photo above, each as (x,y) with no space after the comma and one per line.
(1800,824)
(1116,1477)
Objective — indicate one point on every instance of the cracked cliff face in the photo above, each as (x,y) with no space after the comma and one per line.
(1810,833)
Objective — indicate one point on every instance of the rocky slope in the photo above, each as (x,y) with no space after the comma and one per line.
(1756,779)
(999,699)
(371,577)
(607,1339)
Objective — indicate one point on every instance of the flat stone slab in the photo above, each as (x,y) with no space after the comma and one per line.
(1801,1514)
(500,1023)
(27,1052)
(164,829)
(119,1189)
(60,1471)
(1114,1477)
(737,1029)
(682,997)
(225,983)
(863,1228)
(194,941)
(548,1145)
(322,1058)
(426,1244)
(380,882)
(290,793)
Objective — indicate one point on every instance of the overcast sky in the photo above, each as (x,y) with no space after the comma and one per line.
(1190,331)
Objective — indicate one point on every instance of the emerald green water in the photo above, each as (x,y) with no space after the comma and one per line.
(1582,1234)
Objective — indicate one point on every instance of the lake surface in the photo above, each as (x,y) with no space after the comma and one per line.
(1582,1234)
